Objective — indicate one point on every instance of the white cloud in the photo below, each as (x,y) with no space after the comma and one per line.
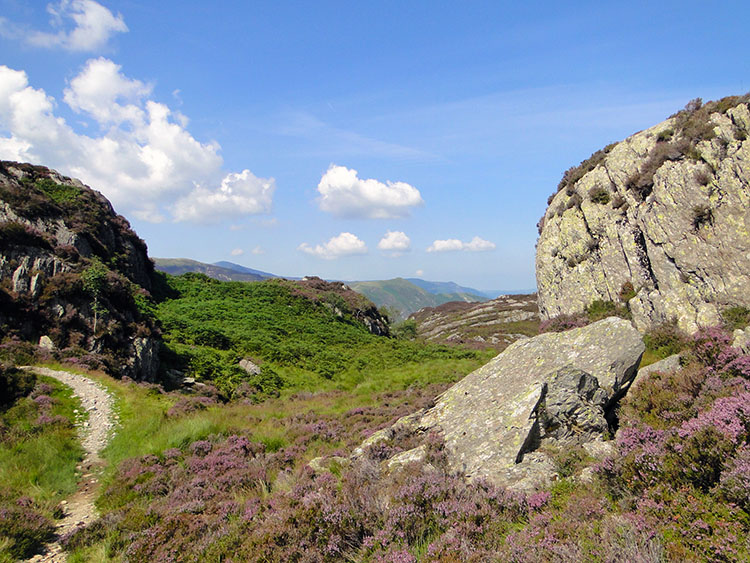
(345,244)
(93,25)
(258,250)
(99,90)
(242,193)
(343,194)
(476,244)
(142,158)
(420,273)
(237,252)
(395,242)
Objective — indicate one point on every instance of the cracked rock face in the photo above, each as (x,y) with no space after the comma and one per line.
(666,211)
(51,229)
(554,389)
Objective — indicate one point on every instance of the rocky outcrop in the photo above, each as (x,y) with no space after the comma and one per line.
(72,272)
(553,390)
(493,324)
(660,220)
(342,301)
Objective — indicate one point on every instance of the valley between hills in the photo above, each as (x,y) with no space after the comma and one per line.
(245,416)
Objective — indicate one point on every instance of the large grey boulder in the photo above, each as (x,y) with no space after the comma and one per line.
(661,220)
(555,388)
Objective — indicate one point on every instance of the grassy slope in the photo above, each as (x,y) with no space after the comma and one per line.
(210,325)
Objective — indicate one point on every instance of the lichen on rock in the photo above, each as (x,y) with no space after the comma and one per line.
(555,388)
(676,227)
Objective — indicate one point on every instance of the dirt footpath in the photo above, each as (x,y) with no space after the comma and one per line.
(94,434)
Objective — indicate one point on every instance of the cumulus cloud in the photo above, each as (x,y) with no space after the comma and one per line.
(237,252)
(345,244)
(242,194)
(258,251)
(103,92)
(343,194)
(82,25)
(142,157)
(395,242)
(419,272)
(474,245)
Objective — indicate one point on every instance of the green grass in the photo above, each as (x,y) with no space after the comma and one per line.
(38,458)
(210,325)
(36,463)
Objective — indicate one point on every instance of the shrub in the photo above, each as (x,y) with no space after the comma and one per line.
(601,309)
(627,292)
(575,173)
(59,193)
(736,317)
(14,384)
(665,339)
(19,234)
(24,529)
(574,201)
(599,195)
(734,484)
(665,135)
(563,322)
(703,177)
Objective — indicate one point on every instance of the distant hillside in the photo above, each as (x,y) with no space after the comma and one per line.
(443,287)
(303,333)
(493,324)
(177,266)
(245,270)
(404,297)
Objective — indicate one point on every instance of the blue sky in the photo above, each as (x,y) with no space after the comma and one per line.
(350,140)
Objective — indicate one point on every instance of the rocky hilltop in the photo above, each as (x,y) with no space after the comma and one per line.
(660,221)
(494,324)
(73,275)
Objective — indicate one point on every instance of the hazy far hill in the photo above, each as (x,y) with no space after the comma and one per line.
(245,270)
(403,297)
(177,266)
(445,287)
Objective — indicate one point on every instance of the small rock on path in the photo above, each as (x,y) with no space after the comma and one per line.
(94,434)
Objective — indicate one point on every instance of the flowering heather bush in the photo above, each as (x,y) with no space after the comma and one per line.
(190,405)
(712,347)
(24,528)
(676,490)
(563,322)
(735,479)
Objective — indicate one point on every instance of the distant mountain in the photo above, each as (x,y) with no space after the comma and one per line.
(177,266)
(403,297)
(443,287)
(245,270)
(451,287)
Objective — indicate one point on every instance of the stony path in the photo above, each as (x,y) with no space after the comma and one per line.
(94,433)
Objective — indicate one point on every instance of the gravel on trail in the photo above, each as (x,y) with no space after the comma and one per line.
(94,434)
